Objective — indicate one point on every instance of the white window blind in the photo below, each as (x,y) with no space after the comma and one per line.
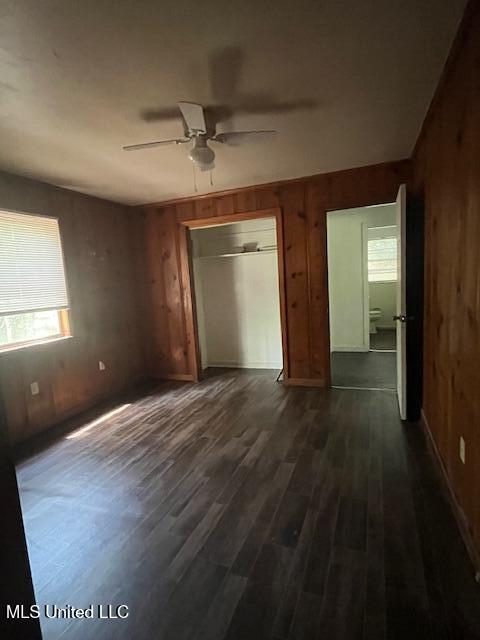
(32,276)
(382,259)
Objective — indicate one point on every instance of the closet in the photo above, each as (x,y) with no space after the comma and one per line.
(235,270)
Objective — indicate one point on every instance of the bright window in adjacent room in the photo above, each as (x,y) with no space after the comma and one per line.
(382,254)
(33,289)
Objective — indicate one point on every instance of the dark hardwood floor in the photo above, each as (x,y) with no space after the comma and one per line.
(369,370)
(384,340)
(239,508)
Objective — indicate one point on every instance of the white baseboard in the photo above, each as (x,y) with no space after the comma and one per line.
(246,365)
(352,348)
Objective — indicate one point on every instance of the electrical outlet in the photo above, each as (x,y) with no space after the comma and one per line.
(101,365)
(34,388)
(462,449)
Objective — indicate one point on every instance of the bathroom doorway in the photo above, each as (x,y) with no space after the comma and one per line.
(381,253)
(362,246)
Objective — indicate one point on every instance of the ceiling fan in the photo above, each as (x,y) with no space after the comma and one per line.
(196,131)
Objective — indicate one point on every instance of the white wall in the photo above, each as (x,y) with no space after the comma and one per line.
(225,238)
(237,297)
(384,296)
(347,273)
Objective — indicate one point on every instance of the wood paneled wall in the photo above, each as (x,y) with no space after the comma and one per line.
(447,172)
(303,204)
(99,247)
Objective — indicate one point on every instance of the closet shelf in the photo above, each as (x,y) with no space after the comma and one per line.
(236,255)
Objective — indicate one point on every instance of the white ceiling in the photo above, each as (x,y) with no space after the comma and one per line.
(345,82)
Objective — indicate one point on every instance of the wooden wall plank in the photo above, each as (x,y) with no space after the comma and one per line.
(315,209)
(105,311)
(244,201)
(204,208)
(185,210)
(156,311)
(224,205)
(447,175)
(173,291)
(303,204)
(296,279)
(13,392)
(188,302)
(265,198)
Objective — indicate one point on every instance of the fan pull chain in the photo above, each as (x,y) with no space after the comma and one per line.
(194,178)
(211,178)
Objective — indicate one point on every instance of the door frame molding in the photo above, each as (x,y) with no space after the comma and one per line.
(188,284)
(364,239)
(366,289)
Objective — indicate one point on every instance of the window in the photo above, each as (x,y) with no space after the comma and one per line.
(382,254)
(33,291)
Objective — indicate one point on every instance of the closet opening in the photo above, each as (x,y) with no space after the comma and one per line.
(237,282)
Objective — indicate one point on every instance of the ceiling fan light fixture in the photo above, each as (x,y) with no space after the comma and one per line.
(206,167)
(202,155)
(195,128)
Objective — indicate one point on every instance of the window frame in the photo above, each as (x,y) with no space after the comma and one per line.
(64,316)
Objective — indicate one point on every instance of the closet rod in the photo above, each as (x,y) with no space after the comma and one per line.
(241,253)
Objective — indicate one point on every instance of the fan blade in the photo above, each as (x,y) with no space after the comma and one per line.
(149,145)
(194,117)
(238,136)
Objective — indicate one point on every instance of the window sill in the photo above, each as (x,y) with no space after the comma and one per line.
(37,343)
(382,281)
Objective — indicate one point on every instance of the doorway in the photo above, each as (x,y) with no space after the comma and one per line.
(362,246)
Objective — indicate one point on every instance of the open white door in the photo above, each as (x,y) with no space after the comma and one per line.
(401,317)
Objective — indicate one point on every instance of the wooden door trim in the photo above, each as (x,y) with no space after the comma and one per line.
(189,304)
(188,281)
(214,221)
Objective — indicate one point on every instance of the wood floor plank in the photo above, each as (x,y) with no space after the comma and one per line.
(257,609)
(219,616)
(343,599)
(351,527)
(260,532)
(240,508)
(289,519)
(190,600)
(288,607)
(407,609)
(375,619)
(307,616)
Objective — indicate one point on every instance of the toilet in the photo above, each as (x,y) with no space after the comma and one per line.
(375,315)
